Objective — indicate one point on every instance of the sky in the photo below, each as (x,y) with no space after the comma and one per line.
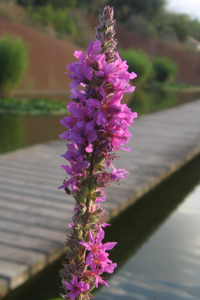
(190,7)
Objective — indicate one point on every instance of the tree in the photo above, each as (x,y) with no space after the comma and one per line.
(194,28)
(93,7)
(54,3)
(180,25)
(147,8)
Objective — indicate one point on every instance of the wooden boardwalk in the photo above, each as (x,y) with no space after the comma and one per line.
(34,214)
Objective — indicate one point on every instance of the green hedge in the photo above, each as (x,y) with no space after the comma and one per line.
(160,69)
(13,63)
(139,63)
(164,69)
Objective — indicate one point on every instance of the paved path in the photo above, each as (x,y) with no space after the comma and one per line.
(34,215)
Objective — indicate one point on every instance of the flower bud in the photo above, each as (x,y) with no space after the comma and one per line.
(81,198)
(100,160)
(85,190)
(81,210)
(81,269)
(93,218)
(93,186)
(79,233)
(98,211)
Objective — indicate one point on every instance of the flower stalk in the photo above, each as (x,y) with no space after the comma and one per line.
(96,129)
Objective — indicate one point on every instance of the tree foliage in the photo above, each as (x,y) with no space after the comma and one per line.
(149,18)
(194,28)
(57,18)
(146,8)
(54,3)
(13,63)
(180,25)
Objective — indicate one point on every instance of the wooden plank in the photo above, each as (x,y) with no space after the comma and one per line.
(35,209)
(36,261)
(32,231)
(16,273)
(11,172)
(6,164)
(33,219)
(34,192)
(27,184)
(59,204)
(32,243)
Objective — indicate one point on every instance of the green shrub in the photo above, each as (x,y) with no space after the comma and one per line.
(139,63)
(58,18)
(42,15)
(164,69)
(63,22)
(13,63)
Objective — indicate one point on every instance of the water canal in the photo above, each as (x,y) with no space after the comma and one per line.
(161,238)
(158,251)
(21,131)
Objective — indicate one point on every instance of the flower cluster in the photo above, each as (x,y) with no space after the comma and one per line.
(96,128)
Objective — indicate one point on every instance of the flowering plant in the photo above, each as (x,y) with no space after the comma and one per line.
(97,127)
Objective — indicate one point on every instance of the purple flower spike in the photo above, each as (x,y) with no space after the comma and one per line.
(97,125)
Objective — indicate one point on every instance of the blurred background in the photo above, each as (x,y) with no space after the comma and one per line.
(160,40)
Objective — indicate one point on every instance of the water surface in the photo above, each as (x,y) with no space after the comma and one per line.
(163,242)
(21,131)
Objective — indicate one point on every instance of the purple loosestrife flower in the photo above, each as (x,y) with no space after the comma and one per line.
(96,271)
(82,70)
(95,245)
(97,126)
(76,287)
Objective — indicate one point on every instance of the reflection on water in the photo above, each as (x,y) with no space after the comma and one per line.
(161,233)
(21,131)
(12,133)
(145,102)
(129,286)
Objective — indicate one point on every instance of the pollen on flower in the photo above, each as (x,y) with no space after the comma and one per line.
(105,106)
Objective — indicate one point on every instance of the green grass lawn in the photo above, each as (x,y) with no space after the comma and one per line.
(31,107)
(172,87)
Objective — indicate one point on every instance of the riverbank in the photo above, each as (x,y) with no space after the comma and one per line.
(32,107)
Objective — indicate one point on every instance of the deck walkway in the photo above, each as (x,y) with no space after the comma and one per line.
(34,215)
